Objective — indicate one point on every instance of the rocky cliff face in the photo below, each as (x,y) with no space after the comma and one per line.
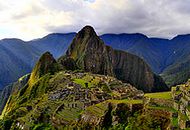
(92,55)
(130,68)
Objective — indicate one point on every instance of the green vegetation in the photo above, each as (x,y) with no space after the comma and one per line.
(6,124)
(53,99)
(162,95)
(69,115)
(38,105)
(175,122)
(43,127)
(183,116)
(83,82)
(163,108)
(126,101)
(98,109)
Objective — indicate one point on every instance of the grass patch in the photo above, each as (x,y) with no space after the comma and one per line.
(175,122)
(82,83)
(163,108)
(98,109)
(182,116)
(162,95)
(127,101)
(69,114)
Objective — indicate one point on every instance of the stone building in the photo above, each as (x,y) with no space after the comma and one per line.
(181,103)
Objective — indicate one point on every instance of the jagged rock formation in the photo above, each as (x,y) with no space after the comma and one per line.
(67,63)
(92,55)
(46,64)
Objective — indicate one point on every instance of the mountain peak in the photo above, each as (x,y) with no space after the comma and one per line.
(46,64)
(47,56)
(88,28)
(87,31)
(89,52)
(85,39)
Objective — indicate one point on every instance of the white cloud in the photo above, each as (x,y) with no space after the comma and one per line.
(28,19)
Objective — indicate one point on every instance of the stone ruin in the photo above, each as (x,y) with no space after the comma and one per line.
(181,103)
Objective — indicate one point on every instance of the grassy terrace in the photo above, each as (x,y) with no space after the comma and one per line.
(82,82)
(163,108)
(69,114)
(87,79)
(127,101)
(162,95)
(99,109)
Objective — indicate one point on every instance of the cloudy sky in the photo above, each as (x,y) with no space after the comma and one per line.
(29,19)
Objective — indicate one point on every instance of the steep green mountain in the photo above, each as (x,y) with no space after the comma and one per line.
(63,99)
(46,64)
(92,55)
(59,99)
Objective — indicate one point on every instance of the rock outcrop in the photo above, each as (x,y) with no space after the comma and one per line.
(92,55)
(46,64)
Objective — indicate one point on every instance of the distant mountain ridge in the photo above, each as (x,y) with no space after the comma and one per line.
(169,58)
(18,57)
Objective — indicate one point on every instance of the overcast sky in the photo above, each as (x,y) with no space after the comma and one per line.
(29,19)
